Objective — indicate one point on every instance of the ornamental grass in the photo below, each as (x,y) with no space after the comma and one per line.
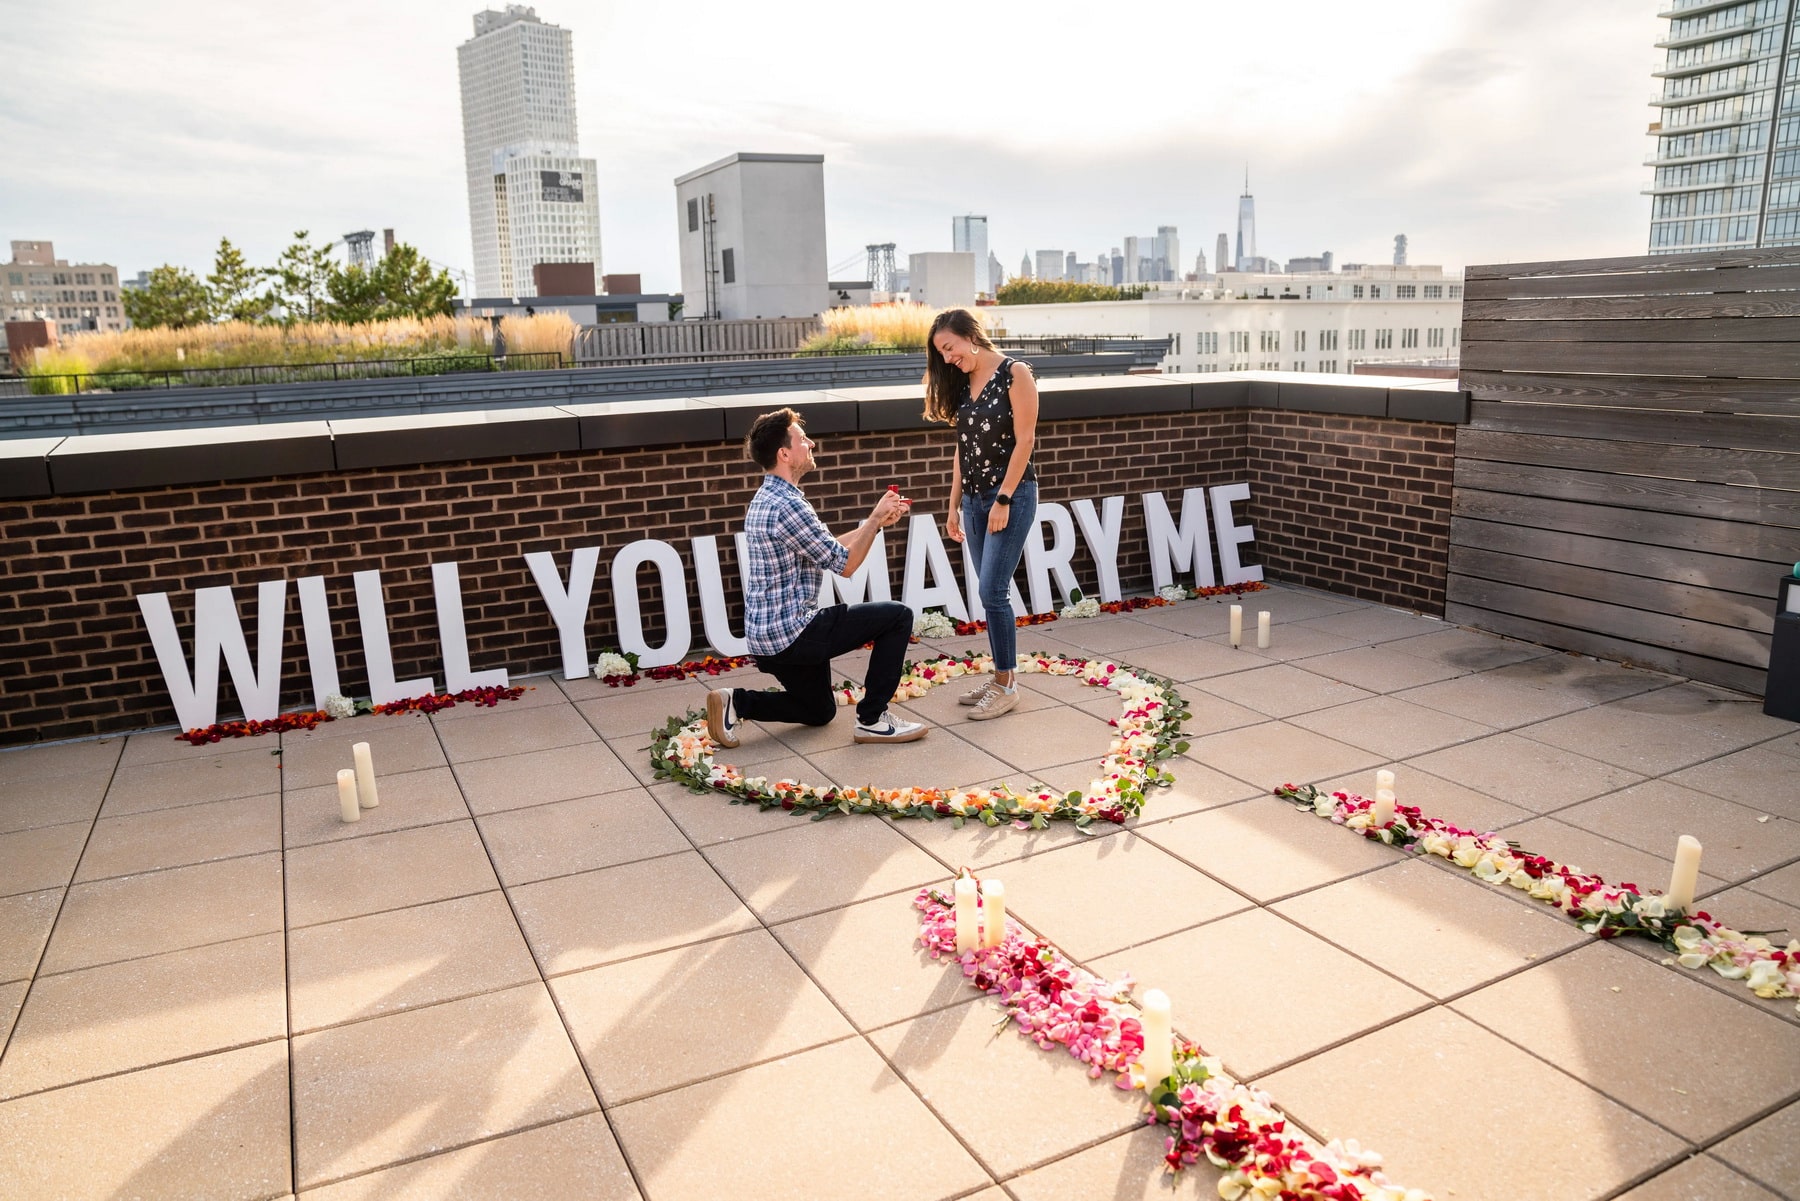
(902,325)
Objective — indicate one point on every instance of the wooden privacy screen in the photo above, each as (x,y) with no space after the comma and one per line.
(1628,484)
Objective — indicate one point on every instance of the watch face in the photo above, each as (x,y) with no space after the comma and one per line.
(1003,499)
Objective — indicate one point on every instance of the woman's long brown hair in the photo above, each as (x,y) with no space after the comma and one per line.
(946,385)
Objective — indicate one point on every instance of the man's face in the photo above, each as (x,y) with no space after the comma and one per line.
(799,451)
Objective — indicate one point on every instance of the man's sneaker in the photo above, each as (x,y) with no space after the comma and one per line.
(994,704)
(973,696)
(721,717)
(888,728)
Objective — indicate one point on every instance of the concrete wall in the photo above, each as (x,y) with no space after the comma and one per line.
(769,211)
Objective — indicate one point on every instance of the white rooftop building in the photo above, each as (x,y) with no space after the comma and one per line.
(1241,322)
(532,197)
(752,236)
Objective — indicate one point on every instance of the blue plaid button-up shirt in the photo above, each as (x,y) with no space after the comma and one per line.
(787,548)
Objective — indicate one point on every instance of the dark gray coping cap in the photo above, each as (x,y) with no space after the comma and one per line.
(1349,395)
(24,469)
(821,412)
(1440,400)
(1112,395)
(663,421)
(146,459)
(450,437)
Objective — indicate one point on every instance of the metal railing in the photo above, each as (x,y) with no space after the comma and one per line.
(278,373)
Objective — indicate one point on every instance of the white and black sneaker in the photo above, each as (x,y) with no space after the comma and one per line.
(888,728)
(721,717)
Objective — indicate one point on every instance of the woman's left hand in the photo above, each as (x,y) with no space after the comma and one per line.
(997,518)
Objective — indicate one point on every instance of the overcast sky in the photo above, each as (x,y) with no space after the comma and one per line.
(138,132)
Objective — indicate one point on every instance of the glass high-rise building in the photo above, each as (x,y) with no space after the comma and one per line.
(970,234)
(1727,157)
(532,197)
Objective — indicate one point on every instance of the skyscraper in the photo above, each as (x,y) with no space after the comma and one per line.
(1721,179)
(1168,253)
(532,197)
(996,274)
(1025,267)
(970,234)
(1222,254)
(1050,264)
(1246,239)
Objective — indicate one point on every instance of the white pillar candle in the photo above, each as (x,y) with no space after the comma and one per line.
(1159,1040)
(348,808)
(365,776)
(1262,630)
(993,913)
(1686,877)
(967,919)
(1384,779)
(1382,811)
(1237,625)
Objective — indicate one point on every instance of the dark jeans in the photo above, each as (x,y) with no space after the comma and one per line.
(804,668)
(996,557)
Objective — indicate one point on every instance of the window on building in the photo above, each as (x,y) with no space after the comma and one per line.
(1409,339)
(693,214)
(1300,340)
(1406,291)
(1455,291)
(1384,339)
(1356,291)
(1359,339)
(1434,291)
(1374,291)
(728,265)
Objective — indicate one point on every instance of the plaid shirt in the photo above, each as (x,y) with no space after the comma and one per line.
(787,547)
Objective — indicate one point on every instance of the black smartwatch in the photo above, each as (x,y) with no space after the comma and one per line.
(1003,499)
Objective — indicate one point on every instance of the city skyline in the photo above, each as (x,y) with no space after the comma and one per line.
(1461,124)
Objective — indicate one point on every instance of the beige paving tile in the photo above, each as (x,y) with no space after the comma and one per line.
(51,800)
(1741,909)
(1288,641)
(1187,659)
(1391,727)
(1266,848)
(1376,623)
(132,916)
(1591,681)
(1196,787)
(501,733)
(577,836)
(1120,636)
(1275,753)
(1653,815)
(40,858)
(1384,668)
(123,1016)
(1782,885)
(1417,1075)
(1129,1167)
(1468,650)
(1439,932)
(972,1076)
(143,842)
(403,959)
(815,866)
(981,846)
(939,707)
(765,754)
(208,1128)
(1437,797)
(386,871)
(558,774)
(1586,851)
(1759,776)
(397,744)
(1658,731)
(1493,699)
(942,758)
(627,713)
(373,1093)
(415,798)
(540,692)
(1599,1014)
(25,922)
(1531,774)
(1031,743)
(596,917)
(587,687)
(191,781)
(711,1137)
(1207,714)
(1090,899)
(573,1158)
(164,745)
(11,997)
(655,1023)
(1701,1178)
(1282,690)
(709,817)
(1228,1010)
(59,760)
(868,959)
(1769,1150)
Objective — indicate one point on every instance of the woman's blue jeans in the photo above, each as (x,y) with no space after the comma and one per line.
(996,557)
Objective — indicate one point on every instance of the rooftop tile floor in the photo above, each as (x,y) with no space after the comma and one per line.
(535,972)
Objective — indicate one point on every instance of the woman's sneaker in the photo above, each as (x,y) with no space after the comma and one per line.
(973,696)
(721,717)
(994,704)
(888,728)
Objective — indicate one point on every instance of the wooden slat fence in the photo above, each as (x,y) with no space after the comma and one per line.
(1628,484)
(644,342)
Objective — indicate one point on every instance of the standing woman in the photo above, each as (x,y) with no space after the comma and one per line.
(993,403)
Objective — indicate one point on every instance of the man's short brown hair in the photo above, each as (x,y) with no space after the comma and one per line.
(768,434)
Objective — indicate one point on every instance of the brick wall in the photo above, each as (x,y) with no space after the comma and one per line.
(1356,505)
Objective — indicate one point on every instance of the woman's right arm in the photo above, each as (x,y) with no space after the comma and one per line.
(953,523)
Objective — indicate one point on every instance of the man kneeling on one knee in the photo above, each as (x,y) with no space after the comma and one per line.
(791,637)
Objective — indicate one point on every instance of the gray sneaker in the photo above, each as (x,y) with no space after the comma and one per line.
(888,728)
(721,717)
(997,701)
(973,696)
